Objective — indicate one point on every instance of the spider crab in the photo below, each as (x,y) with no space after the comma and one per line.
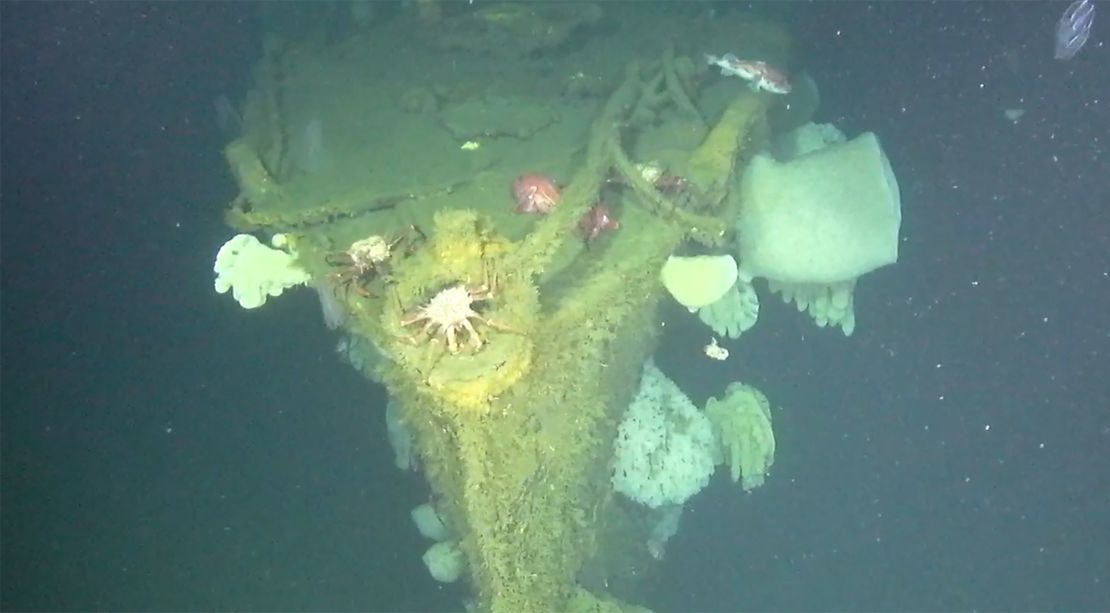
(452,311)
(366,259)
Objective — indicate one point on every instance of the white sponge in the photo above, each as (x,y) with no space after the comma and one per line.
(665,447)
(445,561)
(828,216)
(429,524)
(400,438)
(253,271)
(699,280)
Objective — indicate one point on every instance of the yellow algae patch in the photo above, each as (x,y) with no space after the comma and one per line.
(471,380)
(489,319)
(712,164)
(463,247)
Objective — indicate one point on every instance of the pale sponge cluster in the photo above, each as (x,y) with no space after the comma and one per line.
(665,447)
(814,224)
(253,271)
(742,420)
(445,560)
(735,313)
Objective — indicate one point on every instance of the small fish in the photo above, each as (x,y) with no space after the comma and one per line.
(1074,28)
(715,351)
(760,75)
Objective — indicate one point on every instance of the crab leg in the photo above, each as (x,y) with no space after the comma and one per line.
(474,338)
(495,325)
(452,344)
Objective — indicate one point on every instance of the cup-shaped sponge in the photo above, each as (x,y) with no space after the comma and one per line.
(699,280)
(825,217)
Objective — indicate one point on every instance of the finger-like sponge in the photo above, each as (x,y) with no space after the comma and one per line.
(253,271)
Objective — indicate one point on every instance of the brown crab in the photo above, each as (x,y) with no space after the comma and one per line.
(366,259)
